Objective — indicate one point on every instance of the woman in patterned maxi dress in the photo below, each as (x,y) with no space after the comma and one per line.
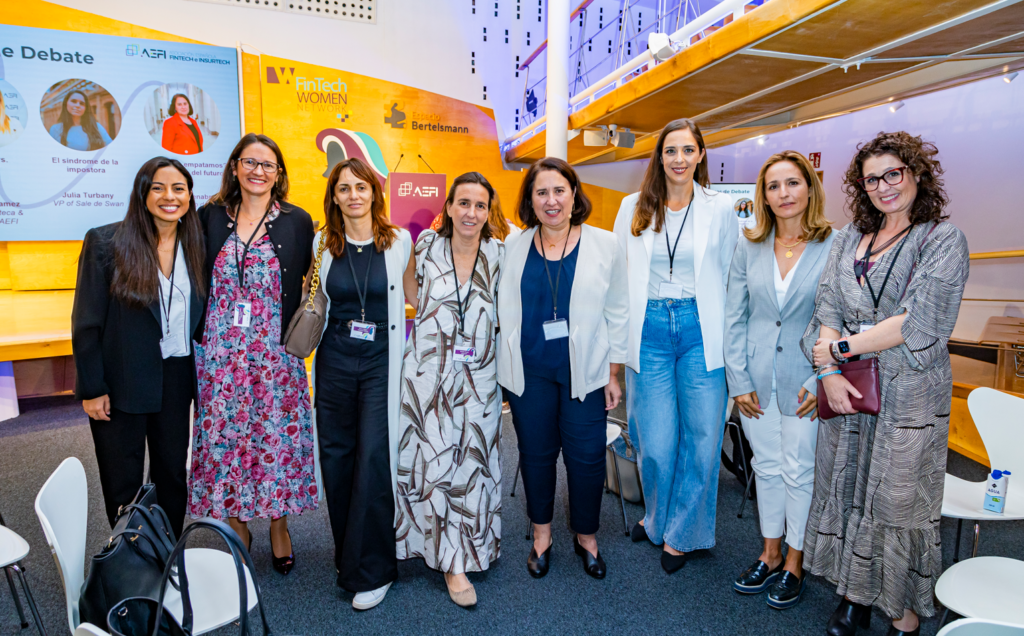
(449,467)
(873,528)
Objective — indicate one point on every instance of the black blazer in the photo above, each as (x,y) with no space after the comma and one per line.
(116,347)
(292,236)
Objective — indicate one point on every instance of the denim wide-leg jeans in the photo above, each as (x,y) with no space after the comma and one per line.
(677,418)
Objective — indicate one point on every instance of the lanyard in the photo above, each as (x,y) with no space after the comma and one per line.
(170,296)
(860,265)
(361,292)
(672,248)
(240,264)
(876,300)
(458,294)
(558,276)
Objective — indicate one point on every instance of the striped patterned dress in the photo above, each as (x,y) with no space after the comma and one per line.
(873,528)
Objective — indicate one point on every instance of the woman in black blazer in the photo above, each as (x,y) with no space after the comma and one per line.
(252,452)
(137,302)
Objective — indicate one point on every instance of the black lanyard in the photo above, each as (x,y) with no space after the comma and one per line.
(860,265)
(876,300)
(240,265)
(558,276)
(361,292)
(170,296)
(672,248)
(458,294)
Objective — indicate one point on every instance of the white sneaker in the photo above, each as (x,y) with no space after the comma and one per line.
(371,599)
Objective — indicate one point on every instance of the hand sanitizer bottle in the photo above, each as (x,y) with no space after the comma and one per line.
(995,491)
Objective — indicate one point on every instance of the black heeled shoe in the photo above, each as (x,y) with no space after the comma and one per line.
(592,565)
(757,578)
(847,617)
(638,533)
(282,565)
(537,565)
(672,563)
(899,632)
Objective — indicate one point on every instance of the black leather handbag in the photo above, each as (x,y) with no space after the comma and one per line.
(145,616)
(132,562)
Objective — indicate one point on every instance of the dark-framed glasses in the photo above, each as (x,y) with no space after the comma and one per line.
(269,167)
(893,176)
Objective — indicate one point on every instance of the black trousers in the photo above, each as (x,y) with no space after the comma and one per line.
(121,447)
(355,459)
(548,421)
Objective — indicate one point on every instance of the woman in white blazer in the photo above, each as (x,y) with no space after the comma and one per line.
(357,377)
(563,311)
(772,283)
(679,237)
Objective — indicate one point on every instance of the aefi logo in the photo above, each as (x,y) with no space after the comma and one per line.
(133,49)
(406,189)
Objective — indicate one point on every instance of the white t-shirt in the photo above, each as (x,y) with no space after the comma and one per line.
(682,268)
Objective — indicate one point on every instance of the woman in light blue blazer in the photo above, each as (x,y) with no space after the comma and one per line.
(772,283)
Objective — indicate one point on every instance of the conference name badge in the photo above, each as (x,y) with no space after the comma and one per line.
(362,330)
(243,315)
(866,327)
(465,354)
(167,347)
(670,290)
(555,329)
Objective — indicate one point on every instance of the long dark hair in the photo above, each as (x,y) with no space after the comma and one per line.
(87,122)
(230,195)
(448,226)
(919,156)
(581,205)
(384,232)
(653,191)
(135,242)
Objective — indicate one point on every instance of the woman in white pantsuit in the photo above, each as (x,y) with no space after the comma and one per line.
(772,282)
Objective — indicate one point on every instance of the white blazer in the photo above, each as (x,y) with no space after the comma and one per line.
(396,259)
(598,311)
(715,232)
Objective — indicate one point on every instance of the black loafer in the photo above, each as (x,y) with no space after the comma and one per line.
(672,563)
(786,591)
(592,565)
(899,632)
(638,534)
(757,578)
(537,566)
(847,617)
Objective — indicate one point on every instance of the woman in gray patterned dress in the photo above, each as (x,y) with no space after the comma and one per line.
(899,270)
(449,455)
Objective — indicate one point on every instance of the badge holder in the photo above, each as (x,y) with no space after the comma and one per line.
(462,351)
(361,330)
(670,290)
(243,315)
(556,329)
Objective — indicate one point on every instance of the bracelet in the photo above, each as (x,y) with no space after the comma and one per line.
(825,375)
(831,365)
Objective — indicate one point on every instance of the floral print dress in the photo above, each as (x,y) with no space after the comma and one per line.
(252,443)
(449,455)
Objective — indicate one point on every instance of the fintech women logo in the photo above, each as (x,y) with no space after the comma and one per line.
(339,145)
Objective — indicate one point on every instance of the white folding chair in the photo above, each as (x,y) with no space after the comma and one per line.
(989,588)
(12,550)
(62,506)
(980,627)
(998,418)
(88,629)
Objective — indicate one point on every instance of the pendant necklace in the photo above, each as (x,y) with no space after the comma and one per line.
(789,248)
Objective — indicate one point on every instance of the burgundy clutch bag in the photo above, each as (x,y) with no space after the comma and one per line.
(863,375)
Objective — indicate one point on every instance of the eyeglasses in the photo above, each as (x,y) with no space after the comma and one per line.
(269,167)
(892,177)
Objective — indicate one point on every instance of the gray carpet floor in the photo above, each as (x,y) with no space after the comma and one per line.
(637,597)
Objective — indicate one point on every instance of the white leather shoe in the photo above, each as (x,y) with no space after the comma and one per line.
(368,600)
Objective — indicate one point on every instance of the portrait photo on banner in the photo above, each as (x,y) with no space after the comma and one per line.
(80,114)
(13,115)
(182,118)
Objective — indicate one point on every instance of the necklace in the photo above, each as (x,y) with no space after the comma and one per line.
(789,248)
(552,245)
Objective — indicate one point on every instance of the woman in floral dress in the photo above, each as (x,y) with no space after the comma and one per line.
(449,456)
(252,447)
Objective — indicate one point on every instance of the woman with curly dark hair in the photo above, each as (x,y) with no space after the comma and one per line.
(891,290)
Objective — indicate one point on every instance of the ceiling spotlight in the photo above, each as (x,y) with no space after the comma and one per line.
(661,46)
(895,107)
(762,139)
(622,138)
(1009,78)
(595,137)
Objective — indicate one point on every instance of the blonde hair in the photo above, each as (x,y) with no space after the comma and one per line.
(496,219)
(5,120)
(814,224)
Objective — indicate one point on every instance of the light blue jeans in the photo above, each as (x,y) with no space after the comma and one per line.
(677,418)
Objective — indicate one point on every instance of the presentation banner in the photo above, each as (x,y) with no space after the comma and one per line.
(416,199)
(742,202)
(80,113)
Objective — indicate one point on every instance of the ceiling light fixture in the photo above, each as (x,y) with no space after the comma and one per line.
(895,107)
(762,139)
(1009,78)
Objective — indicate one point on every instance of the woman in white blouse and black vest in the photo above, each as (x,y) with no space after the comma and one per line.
(138,301)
